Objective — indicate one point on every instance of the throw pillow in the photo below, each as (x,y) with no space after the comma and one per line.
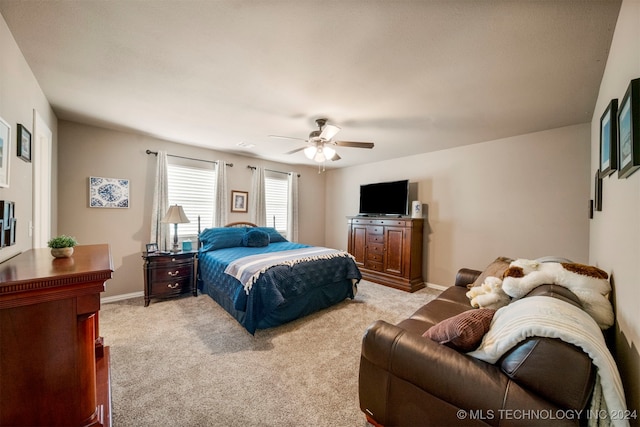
(463,332)
(495,269)
(221,237)
(255,239)
(274,236)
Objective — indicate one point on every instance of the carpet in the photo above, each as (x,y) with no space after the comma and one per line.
(187,362)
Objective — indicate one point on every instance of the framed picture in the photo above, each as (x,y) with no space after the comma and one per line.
(629,131)
(24,143)
(152,248)
(108,192)
(5,150)
(598,191)
(239,201)
(608,135)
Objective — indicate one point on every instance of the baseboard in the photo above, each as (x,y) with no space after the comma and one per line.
(107,300)
(434,286)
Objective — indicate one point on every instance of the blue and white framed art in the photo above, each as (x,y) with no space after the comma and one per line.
(608,135)
(108,192)
(629,131)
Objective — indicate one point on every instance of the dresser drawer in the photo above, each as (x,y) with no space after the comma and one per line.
(374,266)
(377,229)
(375,238)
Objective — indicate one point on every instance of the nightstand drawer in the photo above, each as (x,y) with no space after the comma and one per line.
(173,272)
(164,288)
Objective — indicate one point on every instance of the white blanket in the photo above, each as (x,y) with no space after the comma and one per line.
(549,317)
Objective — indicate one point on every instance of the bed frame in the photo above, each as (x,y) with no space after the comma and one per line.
(241,224)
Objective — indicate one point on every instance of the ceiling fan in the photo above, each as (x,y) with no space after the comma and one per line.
(320,143)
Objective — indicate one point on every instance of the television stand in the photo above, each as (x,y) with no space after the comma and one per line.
(388,250)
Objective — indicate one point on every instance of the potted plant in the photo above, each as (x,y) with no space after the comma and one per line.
(62,246)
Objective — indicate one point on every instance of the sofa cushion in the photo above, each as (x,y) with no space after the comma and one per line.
(464,331)
(495,269)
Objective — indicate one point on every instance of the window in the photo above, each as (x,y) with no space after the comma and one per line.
(192,187)
(276,186)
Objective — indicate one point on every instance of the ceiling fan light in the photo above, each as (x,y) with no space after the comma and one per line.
(328,152)
(310,152)
(319,157)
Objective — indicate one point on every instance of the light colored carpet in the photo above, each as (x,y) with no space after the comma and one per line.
(186,362)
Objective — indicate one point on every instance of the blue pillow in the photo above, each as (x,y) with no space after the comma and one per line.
(255,239)
(220,238)
(274,236)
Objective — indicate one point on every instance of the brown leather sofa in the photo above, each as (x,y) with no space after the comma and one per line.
(408,380)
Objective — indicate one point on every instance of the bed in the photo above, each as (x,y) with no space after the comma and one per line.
(264,280)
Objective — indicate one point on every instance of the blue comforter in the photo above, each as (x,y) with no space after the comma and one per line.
(282,291)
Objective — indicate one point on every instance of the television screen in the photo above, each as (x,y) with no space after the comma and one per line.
(385,198)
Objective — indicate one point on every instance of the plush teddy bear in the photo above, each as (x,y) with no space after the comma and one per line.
(587,282)
(489,294)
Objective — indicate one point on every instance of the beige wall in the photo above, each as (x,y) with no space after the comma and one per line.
(524,196)
(615,232)
(20,95)
(86,151)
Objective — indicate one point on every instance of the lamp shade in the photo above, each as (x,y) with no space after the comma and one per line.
(175,215)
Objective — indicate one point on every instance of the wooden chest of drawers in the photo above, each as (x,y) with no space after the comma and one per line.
(169,275)
(388,250)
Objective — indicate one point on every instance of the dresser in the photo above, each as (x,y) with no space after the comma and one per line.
(169,274)
(388,250)
(54,368)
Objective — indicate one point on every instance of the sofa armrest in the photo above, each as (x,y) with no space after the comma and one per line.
(462,381)
(466,276)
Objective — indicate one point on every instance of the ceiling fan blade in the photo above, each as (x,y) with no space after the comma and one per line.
(354,144)
(287,137)
(328,132)
(335,157)
(296,150)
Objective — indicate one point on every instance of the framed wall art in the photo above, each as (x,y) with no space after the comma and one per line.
(239,201)
(629,131)
(5,150)
(598,191)
(24,143)
(108,192)
(608,136)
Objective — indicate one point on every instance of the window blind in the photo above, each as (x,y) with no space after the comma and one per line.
(192,188)
(276,198)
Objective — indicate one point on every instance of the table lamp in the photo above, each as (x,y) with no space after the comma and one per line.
(175,215)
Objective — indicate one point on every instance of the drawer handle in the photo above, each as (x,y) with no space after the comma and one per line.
(173,286)
(174,274)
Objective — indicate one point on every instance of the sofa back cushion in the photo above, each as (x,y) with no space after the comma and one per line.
(556,291)
(559,372)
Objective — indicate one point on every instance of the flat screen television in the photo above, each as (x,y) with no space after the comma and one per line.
(385,198)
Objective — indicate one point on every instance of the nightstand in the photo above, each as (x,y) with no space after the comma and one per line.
(168,275)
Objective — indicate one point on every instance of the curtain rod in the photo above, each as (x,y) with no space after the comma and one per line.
(271,170)
(155,153)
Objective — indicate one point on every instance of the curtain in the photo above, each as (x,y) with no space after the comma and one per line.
(159,230)
(257,203)
(292,207)
(221,199)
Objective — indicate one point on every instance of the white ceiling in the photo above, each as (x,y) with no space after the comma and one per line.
(410,76)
